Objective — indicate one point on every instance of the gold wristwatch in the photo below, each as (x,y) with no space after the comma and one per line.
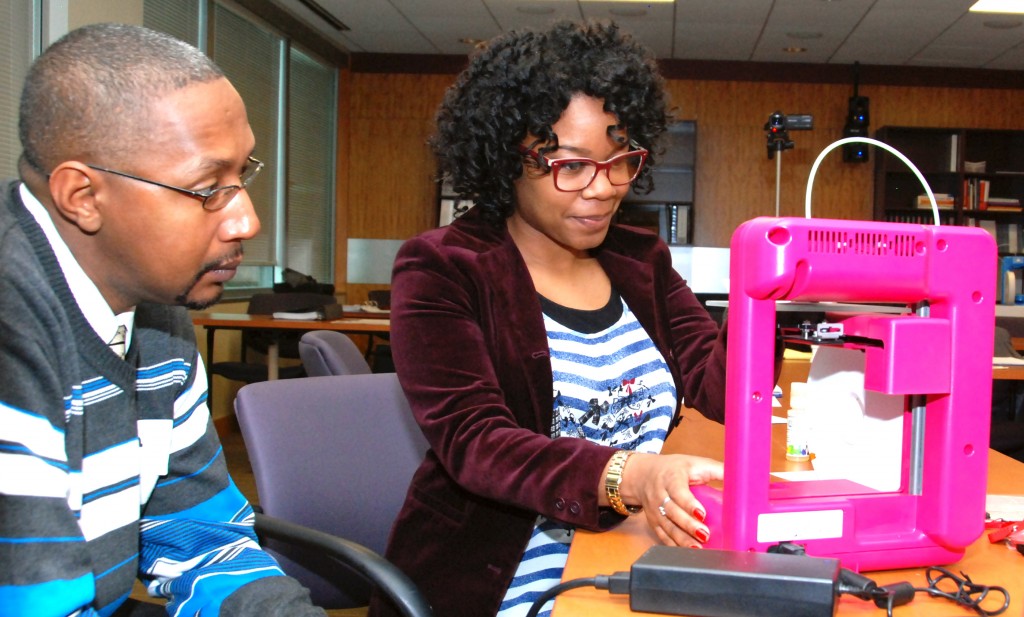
(614,479)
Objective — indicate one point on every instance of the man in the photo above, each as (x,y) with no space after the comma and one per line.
(136,155)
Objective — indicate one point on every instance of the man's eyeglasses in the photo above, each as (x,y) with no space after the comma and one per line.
(213,198)
(576,174)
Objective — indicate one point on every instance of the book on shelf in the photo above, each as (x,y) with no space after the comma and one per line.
(1004,204)
(943,200)
(976,193)
(922,217)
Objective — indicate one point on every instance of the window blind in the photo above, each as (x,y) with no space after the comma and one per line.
(312,95)
(250,56)
(297,215)
(179,19)
(16,28)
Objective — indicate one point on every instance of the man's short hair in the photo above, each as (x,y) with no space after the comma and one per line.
(88,95)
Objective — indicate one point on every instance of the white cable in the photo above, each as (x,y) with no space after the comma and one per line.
(884,146)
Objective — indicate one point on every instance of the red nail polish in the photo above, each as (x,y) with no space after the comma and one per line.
(699,514)
(696,546)
(701,535)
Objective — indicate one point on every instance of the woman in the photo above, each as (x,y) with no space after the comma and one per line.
(545,350)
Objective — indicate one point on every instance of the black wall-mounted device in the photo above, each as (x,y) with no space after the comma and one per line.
(858,118)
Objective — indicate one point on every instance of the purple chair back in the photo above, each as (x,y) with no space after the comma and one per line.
(326,352)
(332,453)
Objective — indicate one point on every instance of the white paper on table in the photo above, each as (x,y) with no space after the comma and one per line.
(298,315)
(1006,507)
(856,434)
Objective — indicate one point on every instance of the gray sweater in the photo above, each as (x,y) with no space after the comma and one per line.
(110,468)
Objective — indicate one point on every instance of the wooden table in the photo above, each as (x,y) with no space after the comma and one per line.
(1013,372)
(614,551)
(350,323)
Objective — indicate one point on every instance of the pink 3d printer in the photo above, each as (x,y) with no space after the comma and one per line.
(938,355)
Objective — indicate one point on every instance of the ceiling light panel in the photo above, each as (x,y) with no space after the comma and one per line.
(998,6)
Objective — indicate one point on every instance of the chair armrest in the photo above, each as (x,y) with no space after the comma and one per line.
(381,572)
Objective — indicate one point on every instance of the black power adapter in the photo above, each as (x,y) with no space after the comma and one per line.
(715,583)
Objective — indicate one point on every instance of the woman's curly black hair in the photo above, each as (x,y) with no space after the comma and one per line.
(520,84)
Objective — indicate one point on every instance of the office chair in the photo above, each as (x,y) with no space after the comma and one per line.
(392,582)
(325,352)
(247,371)
(335,454)
(380,352)
(381,298)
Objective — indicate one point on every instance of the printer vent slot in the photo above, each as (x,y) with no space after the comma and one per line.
(834,242)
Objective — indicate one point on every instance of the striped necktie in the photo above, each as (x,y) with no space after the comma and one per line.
(116,344)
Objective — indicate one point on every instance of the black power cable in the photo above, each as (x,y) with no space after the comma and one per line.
(941,583)
(966,593)
(615,583)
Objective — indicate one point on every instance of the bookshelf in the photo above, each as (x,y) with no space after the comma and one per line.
(981,170)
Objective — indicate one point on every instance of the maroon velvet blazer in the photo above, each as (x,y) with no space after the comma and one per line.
(471,351)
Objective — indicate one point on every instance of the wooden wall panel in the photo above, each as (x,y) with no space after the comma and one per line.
(387,96)
(736,180)
(391,190)
(388,190)
(392,196)
(341,180)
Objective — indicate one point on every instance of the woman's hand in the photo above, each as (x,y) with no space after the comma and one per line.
(661,484)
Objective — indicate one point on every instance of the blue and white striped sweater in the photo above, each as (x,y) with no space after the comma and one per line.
(104,496)
(95,451)
(611,387)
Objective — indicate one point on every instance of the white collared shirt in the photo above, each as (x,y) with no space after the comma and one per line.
(88,297)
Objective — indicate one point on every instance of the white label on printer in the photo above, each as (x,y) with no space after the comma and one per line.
(789,526)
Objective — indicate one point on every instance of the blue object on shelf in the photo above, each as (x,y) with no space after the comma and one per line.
(1010,279)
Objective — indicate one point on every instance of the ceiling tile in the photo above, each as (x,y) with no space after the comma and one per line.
(880,32)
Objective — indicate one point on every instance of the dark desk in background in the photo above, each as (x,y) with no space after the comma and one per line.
(350,323)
